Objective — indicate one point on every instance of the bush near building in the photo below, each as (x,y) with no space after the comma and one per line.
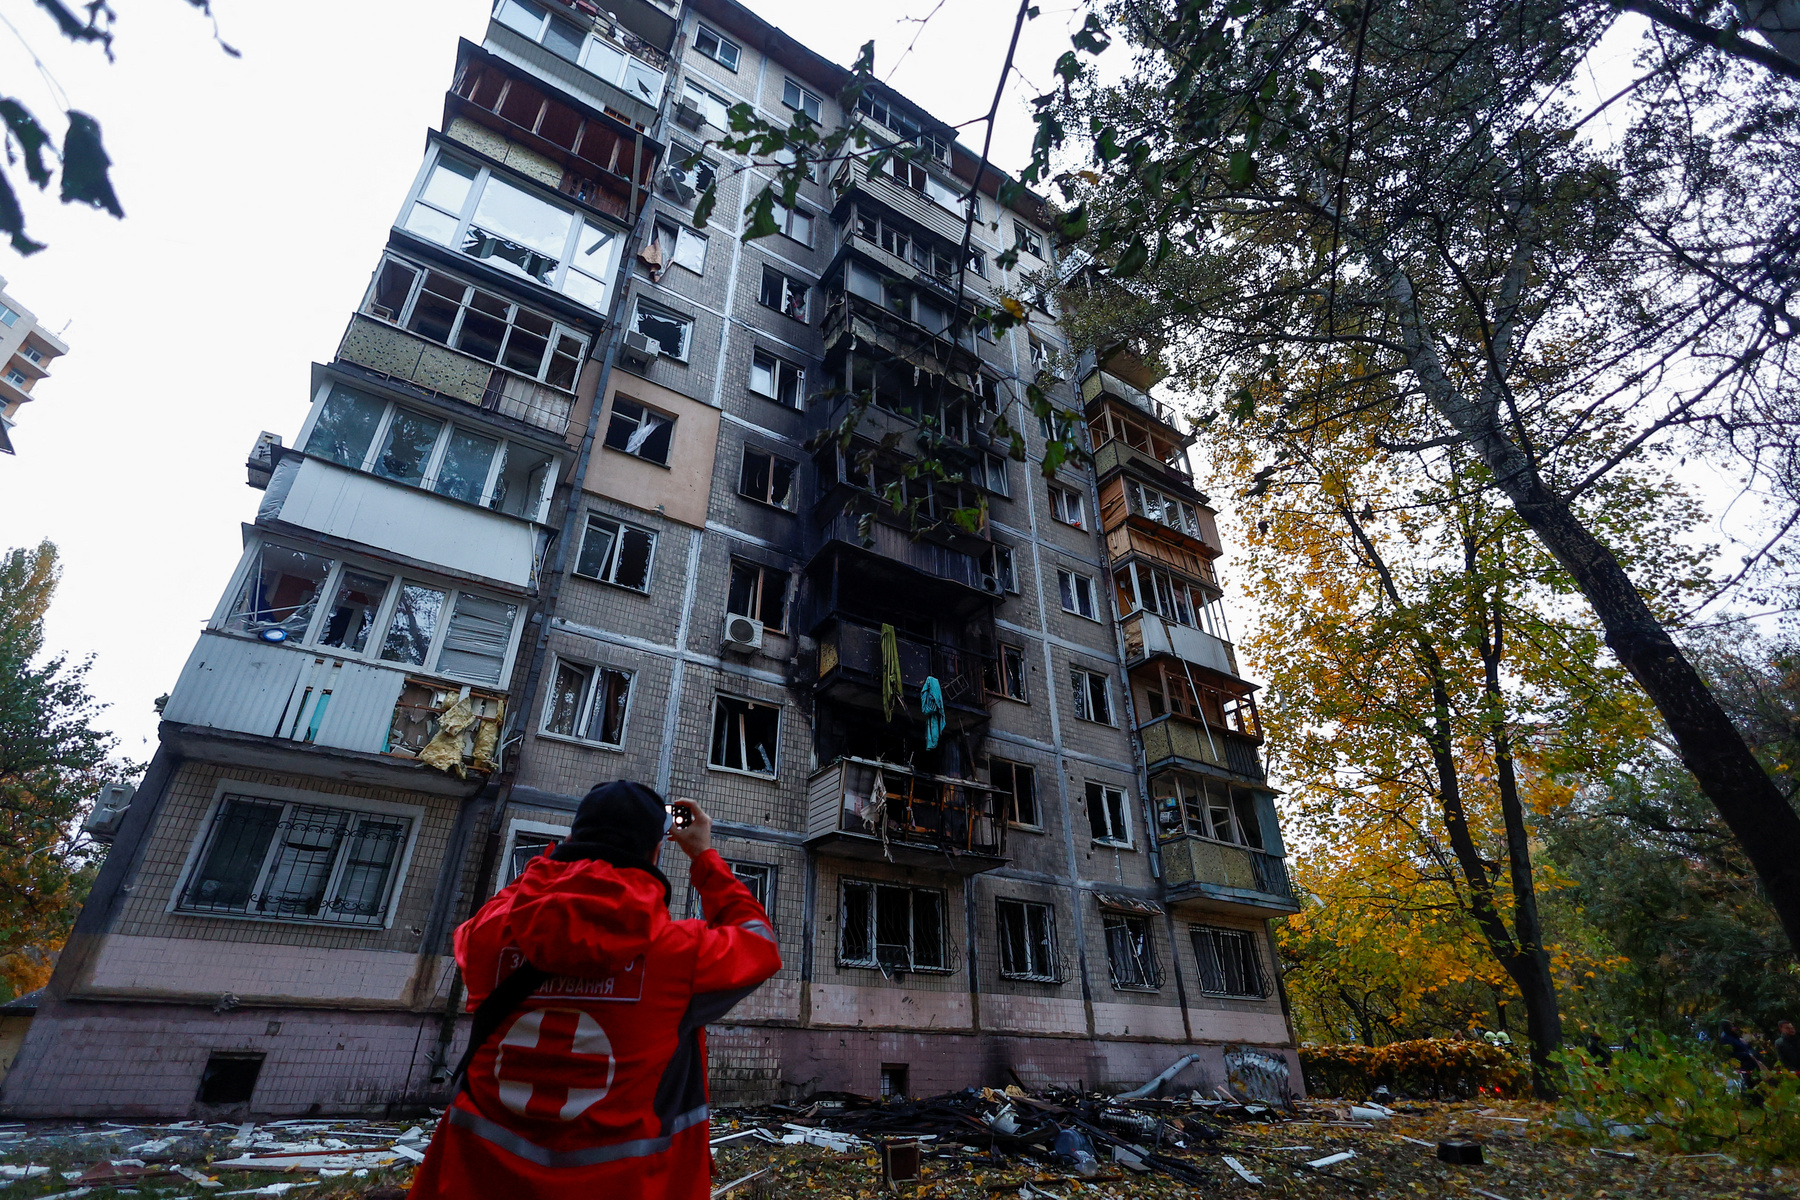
(1426,1068)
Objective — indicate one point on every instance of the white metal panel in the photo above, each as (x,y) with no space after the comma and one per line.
(234,683)
(1195,645)
(361,707)
(408,521)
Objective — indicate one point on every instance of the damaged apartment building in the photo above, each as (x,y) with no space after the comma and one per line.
(559,514)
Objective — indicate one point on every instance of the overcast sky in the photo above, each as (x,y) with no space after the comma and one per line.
(258,192)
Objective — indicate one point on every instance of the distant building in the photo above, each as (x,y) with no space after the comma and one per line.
(559,514)
(27,349)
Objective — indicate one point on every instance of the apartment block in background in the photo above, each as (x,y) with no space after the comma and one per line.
(565,510)
(26,349)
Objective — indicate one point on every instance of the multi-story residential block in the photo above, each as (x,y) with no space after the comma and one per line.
(27,349)
(567,509)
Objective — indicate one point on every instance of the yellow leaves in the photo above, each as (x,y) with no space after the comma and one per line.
(1013,308)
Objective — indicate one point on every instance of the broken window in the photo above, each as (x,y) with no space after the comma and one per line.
(1065,506)
(289,861)
(406,451)
(477,639)
(1027,940)
(444,309)
(893,928)
(701,174)
(799,99)
(744,735)
(861,281)
(669,330)
(280,593)
(712,108)
(1004,674)
(640,431)
(717,47)
(776,378)
(614,552)
(353,611)
(1027,240)
(588,702)
(998,563)
(414,624)
(1157,590)
(1131,953)
(758,592)
(1077,594)
(1019,783)
(346,427)
(468,458)
(785,295)
(515,230)
(767,479)
(1108,814)
(521,485)
(1228,962)
(588,279)
(1163,509)
(674,244)
(1093,697)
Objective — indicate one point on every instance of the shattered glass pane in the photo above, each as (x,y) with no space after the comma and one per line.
(353,609)
(464,472)
(407,449)
(281,592)
(414,623)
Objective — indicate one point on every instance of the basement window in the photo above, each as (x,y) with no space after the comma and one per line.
(229,1078)
(767,479)
(893,928)
(617,553)
(744,735)
(286,861)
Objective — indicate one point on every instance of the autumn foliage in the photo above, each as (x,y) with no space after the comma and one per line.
(1426,1068)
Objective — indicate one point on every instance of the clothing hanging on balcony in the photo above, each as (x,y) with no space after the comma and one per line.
(893,686)
(931,703)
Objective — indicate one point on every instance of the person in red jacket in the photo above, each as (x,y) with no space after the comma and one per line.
(586,1070)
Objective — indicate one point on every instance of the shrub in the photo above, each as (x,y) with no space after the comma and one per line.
(1435,1068)
(1684,1098)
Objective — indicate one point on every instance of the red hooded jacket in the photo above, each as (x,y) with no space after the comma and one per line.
(597,1084)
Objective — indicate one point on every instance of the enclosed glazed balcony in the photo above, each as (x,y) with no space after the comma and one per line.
(922,196)
(880,812)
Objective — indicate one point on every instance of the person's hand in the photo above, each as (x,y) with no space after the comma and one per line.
(695,838)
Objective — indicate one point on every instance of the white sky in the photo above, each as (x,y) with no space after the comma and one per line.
(258,192)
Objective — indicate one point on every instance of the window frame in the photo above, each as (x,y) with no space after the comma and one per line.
(642,305)
(1009,578)
(1076,578)
(506,877)
(1011,769)
(225,614)
(784,222)
(707,98)
(759,591)
(584,712)
(1052,972)
(724,698)
(680,234)
(402,320)
(580,220)
(767,501)
(614,553)
(787,285)
(1004,678)
(1148,965)
(1061,498)
(781,366)
(1107,794)
(720,41)
(589,39)
(1083,681)
(1028,240)
(287,797)
(872,930)
(614,417)
(814,112)
(1252,959)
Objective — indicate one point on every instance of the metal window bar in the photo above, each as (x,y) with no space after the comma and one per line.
(1130,953)
(1228,963)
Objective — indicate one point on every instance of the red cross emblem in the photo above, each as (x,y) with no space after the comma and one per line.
(550,1060)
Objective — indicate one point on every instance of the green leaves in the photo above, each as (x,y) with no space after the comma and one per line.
(1133,259)
(703,208)
(762,216)
(30,136)
(84,178)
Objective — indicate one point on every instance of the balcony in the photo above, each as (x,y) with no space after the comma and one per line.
(896,546)
(1161,546)
(1114,455)
(878,812)
(1099,385)
(304,701)
(1200,868)
(553,68)
(394,352)
(850,669)
(406,522)
(1148,635)
(915,206)
(1172,739)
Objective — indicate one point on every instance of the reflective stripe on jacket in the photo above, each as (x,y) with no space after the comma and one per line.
(599,1078)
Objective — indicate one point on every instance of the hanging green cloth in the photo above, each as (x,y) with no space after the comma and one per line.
(893,686)
(931,703)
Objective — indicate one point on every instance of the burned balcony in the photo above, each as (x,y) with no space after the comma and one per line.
(882,812)
(852,664)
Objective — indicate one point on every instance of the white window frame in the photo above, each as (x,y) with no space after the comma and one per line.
(784,221)
(681,240)
(815,110)
(781,366)
(435,461)
(613,414)
(789,286)
(774,771)
(714,108)
(506,875)
(1083,681)
(586,56)
(1028,240)
(290,796)
(642,305)
(1052,972)
(1108,793)
(999,552)
(585,710)
(226,610)
(793,495)
(764,573)
(721,41)
(1062,501)
(402,319)
(1075,580)
(845,883)
(613,554)
(579,221)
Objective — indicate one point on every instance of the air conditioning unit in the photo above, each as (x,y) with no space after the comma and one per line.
(637,350)
(109,811)
(743,633)
(992,586)
(261,463)
(677,184)
(689,116)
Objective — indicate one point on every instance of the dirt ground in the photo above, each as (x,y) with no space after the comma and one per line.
(1527,1159)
